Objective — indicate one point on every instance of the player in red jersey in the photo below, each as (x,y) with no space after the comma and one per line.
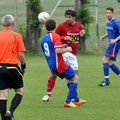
(70,32)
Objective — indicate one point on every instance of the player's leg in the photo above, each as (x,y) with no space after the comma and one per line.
(16,82)
(113,67)
(50,86)
(110,52)
(16,100)
(72,85)
(106,71)
(3,102)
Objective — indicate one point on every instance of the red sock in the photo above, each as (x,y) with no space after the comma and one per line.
(51,84)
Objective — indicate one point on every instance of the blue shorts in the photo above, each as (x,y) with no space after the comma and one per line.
(112,51)
(68,74)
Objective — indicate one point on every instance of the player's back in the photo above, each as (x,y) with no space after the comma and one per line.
(49,51)
(8,47)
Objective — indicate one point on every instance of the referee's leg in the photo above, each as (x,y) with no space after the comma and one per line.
(16,100)
(3,102)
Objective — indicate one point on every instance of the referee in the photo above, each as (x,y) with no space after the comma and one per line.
(11,49)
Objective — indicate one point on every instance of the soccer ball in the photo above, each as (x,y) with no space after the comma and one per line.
(43,17)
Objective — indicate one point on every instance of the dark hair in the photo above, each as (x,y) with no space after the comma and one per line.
(70,12)
(110,8)
(50,24)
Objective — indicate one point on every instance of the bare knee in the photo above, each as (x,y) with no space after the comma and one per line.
(105,59)
(19,91)
(4,94)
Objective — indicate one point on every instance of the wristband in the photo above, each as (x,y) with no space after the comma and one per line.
(23,66)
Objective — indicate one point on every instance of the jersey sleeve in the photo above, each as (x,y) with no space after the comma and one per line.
(117,25)
(21,46)
(56,41)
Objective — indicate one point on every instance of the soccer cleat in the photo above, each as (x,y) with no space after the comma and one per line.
(104,83)
(8,116)
(71,104)
(80,102)
(46,98)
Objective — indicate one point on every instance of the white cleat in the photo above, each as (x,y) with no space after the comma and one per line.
(46,98)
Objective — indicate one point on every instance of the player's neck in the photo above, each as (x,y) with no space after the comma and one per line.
(51,31)
(111,19)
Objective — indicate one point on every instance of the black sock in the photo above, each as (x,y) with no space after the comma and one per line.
(15,102)
(3,104)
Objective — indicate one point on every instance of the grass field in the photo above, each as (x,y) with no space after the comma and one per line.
(103,103)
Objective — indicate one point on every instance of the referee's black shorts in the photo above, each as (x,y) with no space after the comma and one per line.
(10,76)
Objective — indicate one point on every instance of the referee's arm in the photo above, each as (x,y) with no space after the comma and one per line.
(21,56)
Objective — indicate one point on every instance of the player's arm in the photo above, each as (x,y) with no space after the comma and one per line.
(21,57)
(63,50)
(103,37)
(82,32)
(115,40)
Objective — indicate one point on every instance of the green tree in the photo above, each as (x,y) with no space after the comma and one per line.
(84,17)
(33,29)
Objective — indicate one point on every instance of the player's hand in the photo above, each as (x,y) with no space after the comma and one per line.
(65,45)
(112,41)
(67,38)
(82,33)
(69,49)
(102,38)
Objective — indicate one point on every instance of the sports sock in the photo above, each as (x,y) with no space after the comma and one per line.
(51,84)
(106,71)
(115,69)
(15,102)
(3,104)
(72,92)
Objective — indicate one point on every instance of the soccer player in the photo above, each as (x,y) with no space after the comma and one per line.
(11,49)
(53,50)
(113,34)
(70,32)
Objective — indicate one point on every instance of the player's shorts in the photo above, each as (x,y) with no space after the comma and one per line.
(112,51)
(10,77)
(71,59)
(68,74)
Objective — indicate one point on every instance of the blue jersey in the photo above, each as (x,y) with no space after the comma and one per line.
(113,28)
(49,43)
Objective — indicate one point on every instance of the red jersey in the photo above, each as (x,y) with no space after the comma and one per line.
(66,29)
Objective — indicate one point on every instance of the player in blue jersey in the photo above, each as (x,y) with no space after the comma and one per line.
(53,50)
(113,34)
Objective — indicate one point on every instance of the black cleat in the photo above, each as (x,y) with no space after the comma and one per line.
(104,83)
(8,116)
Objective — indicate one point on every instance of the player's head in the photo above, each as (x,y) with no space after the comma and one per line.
(70,16)
(109,13)
(8,20)
(50,25)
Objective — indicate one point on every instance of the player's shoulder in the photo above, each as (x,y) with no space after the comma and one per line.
(16,34)
(55,34)
(62,24)
(78,24)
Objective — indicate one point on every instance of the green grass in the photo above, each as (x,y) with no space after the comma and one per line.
(103,103)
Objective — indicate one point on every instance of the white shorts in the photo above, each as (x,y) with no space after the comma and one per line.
(71,59)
